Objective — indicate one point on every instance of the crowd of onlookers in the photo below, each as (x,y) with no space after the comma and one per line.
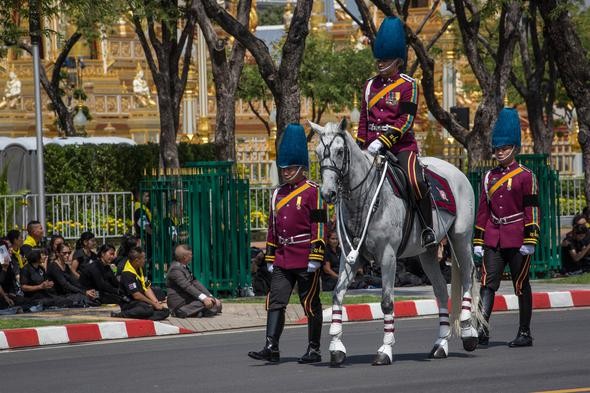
(575,247)
(38,274)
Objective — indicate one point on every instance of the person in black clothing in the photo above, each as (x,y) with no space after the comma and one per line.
(260,274)
(576,250)
(99,276)
(139,300)
(36,285)
(84,252)
(128,242)
(331,263)
(65,283)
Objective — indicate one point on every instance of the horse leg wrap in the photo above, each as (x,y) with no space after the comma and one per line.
(444,326)
(468,336)
(336,325)
(336,344)
(465,307)
(440,349)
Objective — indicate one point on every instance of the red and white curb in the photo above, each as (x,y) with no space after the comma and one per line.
(417,308)
(84,332)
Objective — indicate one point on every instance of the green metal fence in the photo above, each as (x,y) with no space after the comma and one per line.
(547,257)
(205,205)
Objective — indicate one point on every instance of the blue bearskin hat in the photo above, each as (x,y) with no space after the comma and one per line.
(390,42)
(507,129)
(293,147)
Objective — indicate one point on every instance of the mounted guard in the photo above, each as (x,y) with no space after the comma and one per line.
(388,110)
(507,226)
(295,247)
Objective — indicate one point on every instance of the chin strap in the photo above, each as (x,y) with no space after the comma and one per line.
(294,176)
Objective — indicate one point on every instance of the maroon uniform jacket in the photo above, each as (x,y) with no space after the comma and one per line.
(508,212)
(388,109)
(296,226)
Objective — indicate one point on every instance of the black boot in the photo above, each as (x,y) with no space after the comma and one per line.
(274,327)
(523,338)
(486,305)
(314,333)
(425,214)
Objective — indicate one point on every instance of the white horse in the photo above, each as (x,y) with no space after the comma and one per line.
(351,179)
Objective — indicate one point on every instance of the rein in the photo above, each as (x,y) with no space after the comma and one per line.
(341,173)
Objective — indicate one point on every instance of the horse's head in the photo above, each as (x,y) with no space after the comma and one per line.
(333,156)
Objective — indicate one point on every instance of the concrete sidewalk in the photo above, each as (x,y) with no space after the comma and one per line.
(247,315)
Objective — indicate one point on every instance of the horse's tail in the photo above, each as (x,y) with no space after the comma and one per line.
(456,296)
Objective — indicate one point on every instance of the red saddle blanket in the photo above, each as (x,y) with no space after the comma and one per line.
(439,188)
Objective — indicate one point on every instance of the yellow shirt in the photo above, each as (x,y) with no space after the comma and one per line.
(140,277)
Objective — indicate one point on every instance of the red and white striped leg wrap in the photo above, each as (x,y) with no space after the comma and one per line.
(336,316)
(444,329)
(388,329)
(465,307)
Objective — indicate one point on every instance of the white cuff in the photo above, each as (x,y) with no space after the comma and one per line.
(202,297)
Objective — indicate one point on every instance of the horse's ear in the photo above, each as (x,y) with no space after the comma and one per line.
(342,126)
(316,127)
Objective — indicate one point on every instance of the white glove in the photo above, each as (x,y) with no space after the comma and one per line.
(375,146)
(478,251)
(269,267)
(527,249)
(312,266)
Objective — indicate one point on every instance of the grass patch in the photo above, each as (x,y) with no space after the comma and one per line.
(325,298)
(15,323)
(579,279)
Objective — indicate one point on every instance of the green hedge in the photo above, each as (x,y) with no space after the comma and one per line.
(108,168)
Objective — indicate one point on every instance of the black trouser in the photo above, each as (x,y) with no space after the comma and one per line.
(141,310)
(408,160)
(494,263)
(308,284)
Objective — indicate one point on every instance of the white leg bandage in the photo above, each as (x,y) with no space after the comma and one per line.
(444,329)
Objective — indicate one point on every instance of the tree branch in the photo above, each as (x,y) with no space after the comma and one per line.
(65,51)
(145,46)
(434,39)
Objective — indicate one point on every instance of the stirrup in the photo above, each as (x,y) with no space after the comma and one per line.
(428,237)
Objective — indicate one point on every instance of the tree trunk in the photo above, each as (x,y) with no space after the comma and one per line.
(574,69)
(542,135)
(225,123)
(168,130)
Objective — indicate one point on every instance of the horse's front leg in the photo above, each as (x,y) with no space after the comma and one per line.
(385,352)
(345,277)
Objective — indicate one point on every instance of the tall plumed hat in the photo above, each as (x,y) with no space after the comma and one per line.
(293,147)
(507,129)
(390,42)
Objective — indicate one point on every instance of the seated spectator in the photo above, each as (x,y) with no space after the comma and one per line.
(54,242)
(84,252)
(99,276)
(138,300)
(576,250)
(15,238)
(187,297)
(34,237)
(128,242)
(331,263)
(36,285)
(260,274)
(65,283)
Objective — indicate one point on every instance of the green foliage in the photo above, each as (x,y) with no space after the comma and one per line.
(270,14)
(331,76)
(104,168)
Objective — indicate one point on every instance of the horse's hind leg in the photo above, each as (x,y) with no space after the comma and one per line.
(464,262)
(385,352)
(431,267)
(345,277)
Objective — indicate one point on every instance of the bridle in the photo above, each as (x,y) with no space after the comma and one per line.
(341,172)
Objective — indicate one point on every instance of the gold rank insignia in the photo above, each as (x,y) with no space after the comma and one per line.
(298,203)
(509,186)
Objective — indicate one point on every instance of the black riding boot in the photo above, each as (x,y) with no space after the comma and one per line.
(525,310)
(314,333)
(425,207)
(486,305)
(274,328)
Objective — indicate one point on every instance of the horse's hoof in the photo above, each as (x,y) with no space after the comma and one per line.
(382,359)
(337,358)
(470,343)
(438,352)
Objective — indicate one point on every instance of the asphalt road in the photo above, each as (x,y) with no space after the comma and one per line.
(560,359)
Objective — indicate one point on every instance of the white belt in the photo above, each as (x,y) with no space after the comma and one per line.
(303,238)
(508,219)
